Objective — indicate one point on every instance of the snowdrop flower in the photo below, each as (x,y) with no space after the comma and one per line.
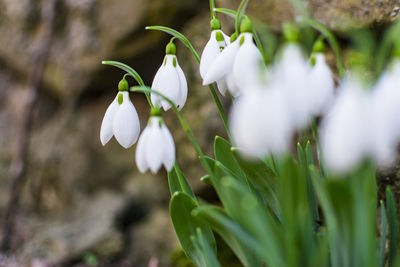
(221,67)
(121,119)
(321,85)
(170,81)
(345,133)
(155,147)
(260,123)
(291,76)
(386,116)
(218,41)
(241,56)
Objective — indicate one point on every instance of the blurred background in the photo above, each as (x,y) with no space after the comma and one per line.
(81,204)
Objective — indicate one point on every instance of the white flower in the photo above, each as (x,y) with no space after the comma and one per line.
(171,82)
(346,130)
(240,63)
(221,67)
(218,41)
(120,120)
(260,123)
(155,147)
(247,67)
(386,116)
(291,76)
(321,86)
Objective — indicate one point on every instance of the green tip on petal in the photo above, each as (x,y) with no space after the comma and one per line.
(246,25)
(241,41)
(219,37)
(234,36)
(123,85)
(120,99)
(170,49)
(291,32)
(215,24)
(319,46)
(313,60)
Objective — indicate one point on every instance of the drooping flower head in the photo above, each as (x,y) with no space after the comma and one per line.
(121,119)
(156,146)
(346,129)
(239,57)
(215,45)
(170,81)
(321,83)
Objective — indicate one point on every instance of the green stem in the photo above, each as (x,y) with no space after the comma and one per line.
(185,126)
(212,6)
(315,131)
(189,45)
(239,14)
(131,72)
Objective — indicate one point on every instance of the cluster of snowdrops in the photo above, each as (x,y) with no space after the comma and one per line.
(270,103)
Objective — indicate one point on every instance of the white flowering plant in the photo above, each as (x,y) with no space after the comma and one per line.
(317,206)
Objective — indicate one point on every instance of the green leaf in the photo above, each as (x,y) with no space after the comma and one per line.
(223,153)
(393,226)
(206,179)
(246,209)
(208,257)
(248,250)
(263,179)
(178,35)
(383,235)
(177,182)
(226,11)
(126,68)
(181,207)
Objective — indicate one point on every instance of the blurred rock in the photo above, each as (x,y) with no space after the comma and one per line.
(338,15)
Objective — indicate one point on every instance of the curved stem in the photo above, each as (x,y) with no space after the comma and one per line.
(189,45)
(239,14)
(130,72)
(212,6)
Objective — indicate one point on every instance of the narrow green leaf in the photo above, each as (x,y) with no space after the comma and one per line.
(393,226)
(226,11)
(208,257)
(246,248)
(206,179)
(178,35)
(181,207)
(177,182)
(223,153)
(383,235)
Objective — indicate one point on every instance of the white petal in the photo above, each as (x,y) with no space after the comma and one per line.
(345,133)
(222,65)
(154,148)
(140,156)
(169,83)
(106,131)
(169,149)
(291,76)
(210,52)
(155,99)
(321,86)
(222,86)
(260,123)
(230,83)
(248,63)
(126,126)
(183,87)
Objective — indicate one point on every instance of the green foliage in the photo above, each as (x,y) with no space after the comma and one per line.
(284,212)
